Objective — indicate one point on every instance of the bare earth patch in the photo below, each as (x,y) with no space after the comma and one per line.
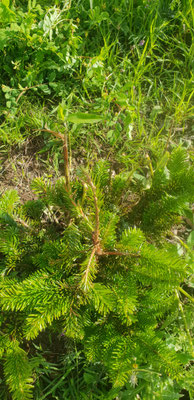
(20,166)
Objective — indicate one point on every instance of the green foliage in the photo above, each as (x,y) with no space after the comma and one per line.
(34,209)
(18,372)
(103,285)
(96,287)
(133,60)
(33,39)
(170,192)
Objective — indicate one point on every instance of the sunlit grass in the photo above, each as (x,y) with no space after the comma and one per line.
(129,61)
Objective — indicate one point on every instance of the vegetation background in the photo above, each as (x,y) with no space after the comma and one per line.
(96,199)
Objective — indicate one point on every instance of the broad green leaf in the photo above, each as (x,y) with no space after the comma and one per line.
(60,112)
(190,240)
(5,2)
(84,118)
(45,89)
(129,131)
(6,15)
(6,88)
(8,104)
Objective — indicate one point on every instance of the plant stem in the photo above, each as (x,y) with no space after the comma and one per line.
(57,134)
(27,88)
(184,320)
(186,294)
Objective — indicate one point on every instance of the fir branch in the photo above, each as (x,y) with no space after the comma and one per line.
(80,211)
(103,298)
(18,373)
(90,270)
(157,347)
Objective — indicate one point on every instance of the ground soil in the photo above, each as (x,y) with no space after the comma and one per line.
(20,165)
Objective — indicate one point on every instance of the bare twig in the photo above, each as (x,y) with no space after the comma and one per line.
(28,88)
(57,134)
